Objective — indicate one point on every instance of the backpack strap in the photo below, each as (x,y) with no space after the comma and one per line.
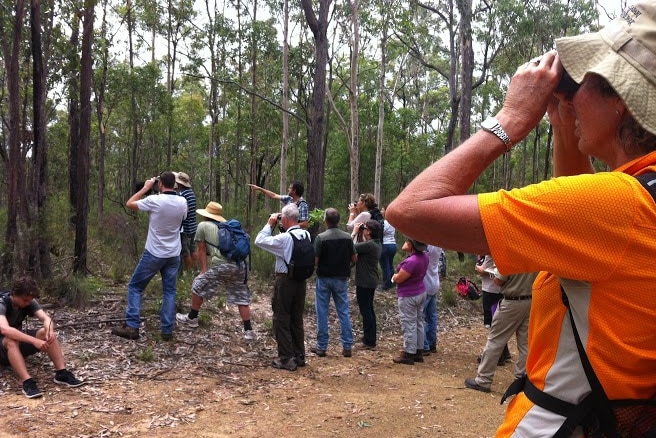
(648,181)
(599,399)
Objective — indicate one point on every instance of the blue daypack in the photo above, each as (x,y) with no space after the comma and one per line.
(234,243)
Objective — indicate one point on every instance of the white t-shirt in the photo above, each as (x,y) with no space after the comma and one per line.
(166,214)
(389,233)
(432,277)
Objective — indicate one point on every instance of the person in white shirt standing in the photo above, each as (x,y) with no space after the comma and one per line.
(162,253)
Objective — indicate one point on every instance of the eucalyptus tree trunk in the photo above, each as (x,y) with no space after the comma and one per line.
(467,67)
(133,97)
(86,70)
(381,111)
(13,258)
(284,147)
(100,110)
(40,250)
(254,137)
(316,152)
(354,146)
(73,113)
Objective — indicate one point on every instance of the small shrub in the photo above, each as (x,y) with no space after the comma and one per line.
(146,355)
(75,290)
(267,324)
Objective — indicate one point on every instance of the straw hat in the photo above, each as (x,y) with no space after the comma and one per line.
(183,179)
(214,210)
(624,53)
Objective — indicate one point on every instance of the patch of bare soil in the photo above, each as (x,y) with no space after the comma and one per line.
(209,382)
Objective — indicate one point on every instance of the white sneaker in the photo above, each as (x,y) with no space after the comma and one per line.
(184,318)
(249,335)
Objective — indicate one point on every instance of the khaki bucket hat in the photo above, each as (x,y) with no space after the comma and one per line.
(624,53)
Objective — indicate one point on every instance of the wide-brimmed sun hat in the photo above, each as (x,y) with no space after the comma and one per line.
(214,210)
(624,53)
(183,179)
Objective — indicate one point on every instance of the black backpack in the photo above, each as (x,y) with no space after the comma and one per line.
(301,265)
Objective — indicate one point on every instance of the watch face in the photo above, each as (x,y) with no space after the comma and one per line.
(489,123)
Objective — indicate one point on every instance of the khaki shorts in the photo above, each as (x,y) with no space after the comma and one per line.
(226,276)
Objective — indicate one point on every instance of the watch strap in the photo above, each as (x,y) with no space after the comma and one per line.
(492,125)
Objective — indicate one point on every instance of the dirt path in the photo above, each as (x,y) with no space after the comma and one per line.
(209,383)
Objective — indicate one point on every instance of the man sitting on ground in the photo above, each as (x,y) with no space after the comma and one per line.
(16,343)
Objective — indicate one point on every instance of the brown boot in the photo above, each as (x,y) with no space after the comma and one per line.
(126,332)
(405,358)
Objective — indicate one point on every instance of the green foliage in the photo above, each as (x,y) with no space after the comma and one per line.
(316,217)
(267,325)
(74,291)
(146,355)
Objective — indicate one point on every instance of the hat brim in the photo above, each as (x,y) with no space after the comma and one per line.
(205,213)
(590,53)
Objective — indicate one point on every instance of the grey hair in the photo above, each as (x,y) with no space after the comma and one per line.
(290,211)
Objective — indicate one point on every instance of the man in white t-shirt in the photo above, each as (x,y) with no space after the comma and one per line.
(162,254)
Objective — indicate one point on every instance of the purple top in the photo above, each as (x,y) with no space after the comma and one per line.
(416,264)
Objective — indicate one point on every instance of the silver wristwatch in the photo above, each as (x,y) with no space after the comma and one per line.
(491,124)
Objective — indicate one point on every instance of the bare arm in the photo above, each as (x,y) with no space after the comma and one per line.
(19,336)
(434,208)
(202,255)
(268,193)
(400,276)
(132,202)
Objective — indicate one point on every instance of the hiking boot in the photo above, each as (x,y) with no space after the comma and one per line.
(347,352)
(166,337)
(300,360)
(318,351)
(425,352)
(471,384)
(184,318)
(368,347)
(30,389)
(126,332)
(419,356)
(433,348)
(284,364)
(65,377)
(503,359)
(405,358)
(250,336)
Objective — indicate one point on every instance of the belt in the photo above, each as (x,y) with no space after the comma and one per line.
(281,274)
(519,298)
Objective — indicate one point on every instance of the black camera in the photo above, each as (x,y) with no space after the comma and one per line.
(279,217)
(362,227)
(567,86)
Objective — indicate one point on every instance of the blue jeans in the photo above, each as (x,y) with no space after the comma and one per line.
(387,264)
(148,266)
(430,321)
(337,288)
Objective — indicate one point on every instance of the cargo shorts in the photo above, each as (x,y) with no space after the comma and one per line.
(226,276)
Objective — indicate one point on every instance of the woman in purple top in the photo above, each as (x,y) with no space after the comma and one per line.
(411,293)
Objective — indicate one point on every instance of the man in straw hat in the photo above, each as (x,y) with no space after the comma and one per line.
(217,272)
(162,253)
(591,234)
(189,253)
